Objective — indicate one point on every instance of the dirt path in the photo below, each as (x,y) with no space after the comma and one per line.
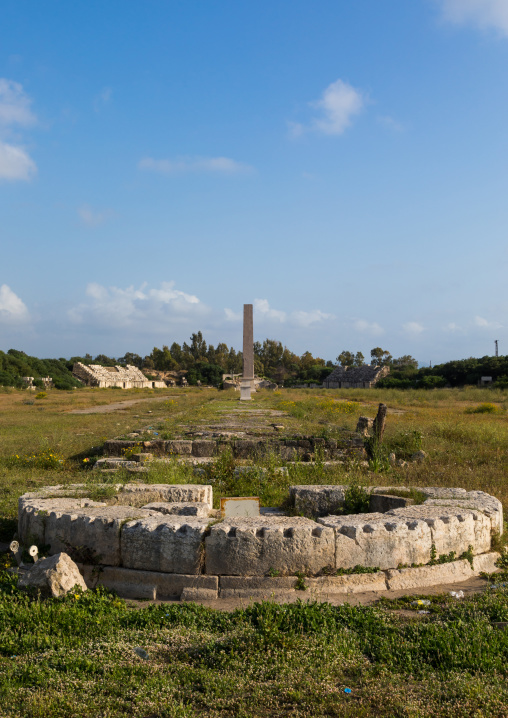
(118,405)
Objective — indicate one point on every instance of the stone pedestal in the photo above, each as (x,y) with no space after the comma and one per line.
(245,390)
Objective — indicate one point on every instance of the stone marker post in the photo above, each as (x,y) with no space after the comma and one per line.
(248,353)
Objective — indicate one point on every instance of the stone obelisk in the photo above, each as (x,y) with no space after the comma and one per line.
(248,354)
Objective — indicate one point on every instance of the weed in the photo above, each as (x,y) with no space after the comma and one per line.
(300,584)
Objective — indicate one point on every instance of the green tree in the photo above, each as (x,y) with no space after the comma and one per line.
(380,357)
(346,358)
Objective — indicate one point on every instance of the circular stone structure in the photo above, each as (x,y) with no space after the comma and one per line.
(165,540)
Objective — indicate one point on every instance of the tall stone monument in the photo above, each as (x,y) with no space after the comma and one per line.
(247,384)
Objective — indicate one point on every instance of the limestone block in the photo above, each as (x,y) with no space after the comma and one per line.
(184,508)
(381,503)
(452,529)
(486,562)
(258,587)
(479,500)
(113,447)
(95,529)
(141,494)
(33,514)
(407,578)
(155,446)
(126,582)
(253,546)
(203,448)
(317,500)
(54,576)
(246,449)
(199,594)
(165,544)
(379,540)
(355,583)
(179,447)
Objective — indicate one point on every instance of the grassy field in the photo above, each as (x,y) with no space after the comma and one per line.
(77,656)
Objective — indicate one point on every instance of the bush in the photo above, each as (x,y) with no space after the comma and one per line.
(485,408)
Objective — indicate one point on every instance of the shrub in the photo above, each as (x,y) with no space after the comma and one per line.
(485,408)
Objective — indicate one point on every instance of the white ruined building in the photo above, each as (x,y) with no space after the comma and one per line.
(125,377)
(362,377)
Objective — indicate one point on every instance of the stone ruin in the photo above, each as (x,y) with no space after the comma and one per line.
(166,541)
(129,377)
(362,377)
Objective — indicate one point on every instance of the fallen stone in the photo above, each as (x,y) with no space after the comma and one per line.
(54,576)
(317,500)
(141,494)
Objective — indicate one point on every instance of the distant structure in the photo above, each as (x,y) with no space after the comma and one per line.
(497,348)
(47,382)
(362,377)
(247,385)
(124,377)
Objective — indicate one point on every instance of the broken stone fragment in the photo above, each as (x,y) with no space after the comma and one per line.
(54,576)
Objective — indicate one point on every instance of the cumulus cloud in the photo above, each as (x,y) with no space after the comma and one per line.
(12,309)
(91,218)
(181,165)
(137,308)
(15,163)
(264,311)
(372,328)
(337,107)
(305,319)
(413,328)
(485,14)
(486,324)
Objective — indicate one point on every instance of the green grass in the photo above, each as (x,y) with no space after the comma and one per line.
(77,656)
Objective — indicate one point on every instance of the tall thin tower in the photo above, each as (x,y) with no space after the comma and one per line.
(497,348)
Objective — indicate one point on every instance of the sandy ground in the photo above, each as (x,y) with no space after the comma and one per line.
(118,405)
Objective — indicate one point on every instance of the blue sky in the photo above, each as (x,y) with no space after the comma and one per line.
(342,165)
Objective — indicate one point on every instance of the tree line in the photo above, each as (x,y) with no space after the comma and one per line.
(207,363)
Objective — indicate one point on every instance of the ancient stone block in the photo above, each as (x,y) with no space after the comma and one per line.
(253,546)
(114,447)
(407,578)
(203,448)
(181,448)
(378,540)
(33,514)
(94,529)
(245,449)
(479,500)
(317,500)
(127,582)
(184,508)
(380,503)
(324,586)
(141,494)
(452,529)
(165,544)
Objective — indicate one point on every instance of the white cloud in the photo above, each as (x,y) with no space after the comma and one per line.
(264,311)
(305,319)
(180,165)
(339,103)
(452,327)
(390,123)
(139,309)
(102,99)
(369,327)
(480,13)
(413,328)
(14,105)
(12,309)
(15,164)
(486,324)
(232,316)
(92,218)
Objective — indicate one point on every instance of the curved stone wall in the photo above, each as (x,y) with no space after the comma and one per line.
(164,529)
